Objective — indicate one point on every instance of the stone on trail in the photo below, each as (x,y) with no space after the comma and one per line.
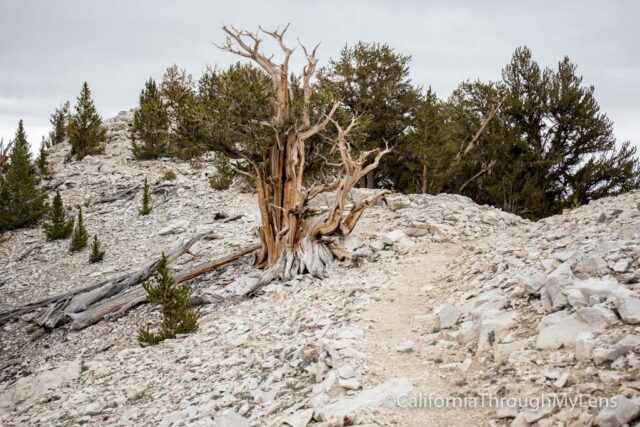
(561,333)
(629,308)
(383,394)
(448,315)
(229,418)
(619,412)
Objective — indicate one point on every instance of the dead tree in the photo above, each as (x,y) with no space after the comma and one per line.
(5,151)
(293,240)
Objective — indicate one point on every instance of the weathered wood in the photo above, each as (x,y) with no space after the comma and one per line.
(291,238)
(80,299)
(125,194)
(120,304)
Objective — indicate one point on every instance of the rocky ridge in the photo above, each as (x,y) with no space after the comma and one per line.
(520,308)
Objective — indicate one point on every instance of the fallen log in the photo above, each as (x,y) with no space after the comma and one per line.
(120,304)
(127,193)
(80,299)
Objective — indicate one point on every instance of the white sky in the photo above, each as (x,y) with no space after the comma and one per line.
(48,48)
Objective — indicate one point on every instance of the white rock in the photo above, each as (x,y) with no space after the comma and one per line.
(620,411)
(621,266)
(229,418)
(381,395)
(562,333)
(174,227)
(629,308)
(592,265)
(31,388)
(393,236)
(346,372)
(448,315)
(597,317)
(584,346)
(299,418)
(621,348)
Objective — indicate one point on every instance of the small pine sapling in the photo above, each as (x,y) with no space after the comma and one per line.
(177,315)
(97,255)
(41,162)
(57,226)
(80,236)
(146,200)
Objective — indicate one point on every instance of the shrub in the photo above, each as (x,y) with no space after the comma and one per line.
(146,200)
(169,175)
(225,173)
(22,202)
(86,133)
(80,236)
(97,254)
(177,315)
(57,227)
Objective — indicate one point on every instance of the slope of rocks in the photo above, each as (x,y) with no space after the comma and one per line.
(488,301)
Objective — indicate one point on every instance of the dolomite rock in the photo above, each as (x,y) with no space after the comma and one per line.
(620,412)
(562,333)
(229,418)
(448,316)
(367,399)
(629,308)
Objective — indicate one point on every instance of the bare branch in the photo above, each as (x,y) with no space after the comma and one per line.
(320,126)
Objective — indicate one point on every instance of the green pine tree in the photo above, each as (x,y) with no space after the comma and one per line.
(58,226)
(177,315)
(41,161)
(150,130)
(86,133)
(97,255)
(60,122)
(22,202)
(146,200)
(80,236)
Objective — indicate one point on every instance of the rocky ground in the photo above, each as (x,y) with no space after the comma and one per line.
(447,300)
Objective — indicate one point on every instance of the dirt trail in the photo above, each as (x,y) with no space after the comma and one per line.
(396,317)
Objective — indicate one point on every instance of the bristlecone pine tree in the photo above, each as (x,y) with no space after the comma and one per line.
(41,161)
(294,240)
(146,200)
(97,254)
(59,120)
(86,133)
(22,202)
(150,130)
(177,315)
(80,236)
(58,226)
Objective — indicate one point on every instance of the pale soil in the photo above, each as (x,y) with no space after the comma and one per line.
(392,319)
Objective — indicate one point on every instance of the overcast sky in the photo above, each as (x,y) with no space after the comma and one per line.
(48,48)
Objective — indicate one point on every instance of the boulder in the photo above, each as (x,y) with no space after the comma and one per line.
(562,333)
(174,227)
(628,308)
(448,316)
(597,317)
(33,387)
(621,348)
(384,394)
(584,346)
(554,293)
(619,412)
(592,265)
(393,236)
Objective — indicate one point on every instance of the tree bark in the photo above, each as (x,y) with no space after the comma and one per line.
(292,241)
